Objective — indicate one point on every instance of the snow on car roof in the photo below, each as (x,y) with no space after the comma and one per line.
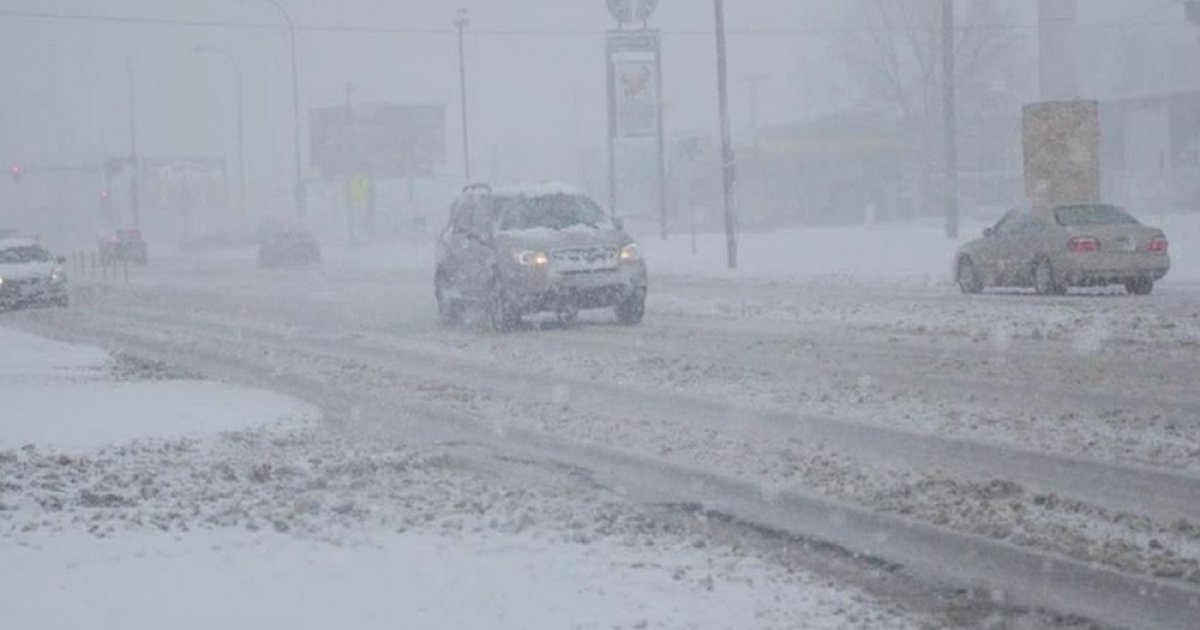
(543,189)
(10,243)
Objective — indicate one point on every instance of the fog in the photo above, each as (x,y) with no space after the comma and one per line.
(535,76)
(900,329)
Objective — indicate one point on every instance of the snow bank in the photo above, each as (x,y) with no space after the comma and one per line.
(222,579)
(74,398)
(301,527)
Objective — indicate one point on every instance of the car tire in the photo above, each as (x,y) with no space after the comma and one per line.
(632,310)
(1139,286)
(567,316)
(450,313)
(968,277)
(1045,282)
(502,315)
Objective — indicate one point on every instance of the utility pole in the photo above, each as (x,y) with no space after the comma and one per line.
(351,177)
(949,104)
(301,195)
(728,160)
(460,22)
(135,166)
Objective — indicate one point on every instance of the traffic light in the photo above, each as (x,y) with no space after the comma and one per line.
(14,171)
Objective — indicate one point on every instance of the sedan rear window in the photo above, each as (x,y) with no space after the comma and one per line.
(1095,214)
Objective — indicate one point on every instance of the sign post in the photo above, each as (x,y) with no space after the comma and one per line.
(635,105)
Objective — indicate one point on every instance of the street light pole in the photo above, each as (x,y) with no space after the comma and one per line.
(460,22)
(301,197)
(728,160)
(950,105)
(241,134)
(134,183)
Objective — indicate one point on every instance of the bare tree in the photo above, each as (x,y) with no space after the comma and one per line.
(892,56)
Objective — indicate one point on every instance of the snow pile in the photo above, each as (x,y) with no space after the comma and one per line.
(300,526)
(75,399)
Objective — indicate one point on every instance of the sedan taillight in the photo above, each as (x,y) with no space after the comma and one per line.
(1159,244)
(1083,244)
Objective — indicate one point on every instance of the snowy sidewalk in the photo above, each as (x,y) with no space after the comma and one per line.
(133,498)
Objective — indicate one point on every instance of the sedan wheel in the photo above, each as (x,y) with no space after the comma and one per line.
(1139,286)
(1044,280)
(968,278)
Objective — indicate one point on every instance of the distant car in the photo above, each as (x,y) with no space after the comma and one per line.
(126,245)
(30,276)
(287,245)
(517,251)
(1082,245)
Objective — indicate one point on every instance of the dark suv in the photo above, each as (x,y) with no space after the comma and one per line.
(517,251)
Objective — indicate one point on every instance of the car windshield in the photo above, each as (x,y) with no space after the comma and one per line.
(1096,214)
(555,212)
(23,254)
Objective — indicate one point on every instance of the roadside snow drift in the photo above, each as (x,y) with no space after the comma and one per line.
(270,524)
(70,398)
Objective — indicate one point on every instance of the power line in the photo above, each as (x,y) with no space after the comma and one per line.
(95,18)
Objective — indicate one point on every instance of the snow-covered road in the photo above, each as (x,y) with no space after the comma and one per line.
(1065,426)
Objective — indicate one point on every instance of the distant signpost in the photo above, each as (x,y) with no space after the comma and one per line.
(378,140)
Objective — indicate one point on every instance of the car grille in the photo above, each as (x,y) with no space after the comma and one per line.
(584,260)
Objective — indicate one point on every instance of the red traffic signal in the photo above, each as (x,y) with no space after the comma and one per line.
(15,172)
(104,195)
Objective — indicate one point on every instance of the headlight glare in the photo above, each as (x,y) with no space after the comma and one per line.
(631,253)
(529,258)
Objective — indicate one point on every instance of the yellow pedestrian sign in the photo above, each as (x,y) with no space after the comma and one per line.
(360,191)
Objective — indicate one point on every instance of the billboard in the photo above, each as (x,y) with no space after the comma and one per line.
(379,140)
(185,184)
(635,84)
(1062,152)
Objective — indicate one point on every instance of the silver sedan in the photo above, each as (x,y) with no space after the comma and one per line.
(1066,246)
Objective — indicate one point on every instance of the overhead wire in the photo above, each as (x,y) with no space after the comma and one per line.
(97,18)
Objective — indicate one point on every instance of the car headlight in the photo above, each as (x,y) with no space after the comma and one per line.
(631,253)
(57,277)
(529,258)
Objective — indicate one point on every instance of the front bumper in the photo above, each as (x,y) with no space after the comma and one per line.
(1105,268)
(22,293)
(533,290)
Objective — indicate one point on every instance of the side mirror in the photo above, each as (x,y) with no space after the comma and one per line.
(989,232)
(619,223)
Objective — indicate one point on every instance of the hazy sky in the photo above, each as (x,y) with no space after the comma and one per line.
(65,89)
(534,93)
